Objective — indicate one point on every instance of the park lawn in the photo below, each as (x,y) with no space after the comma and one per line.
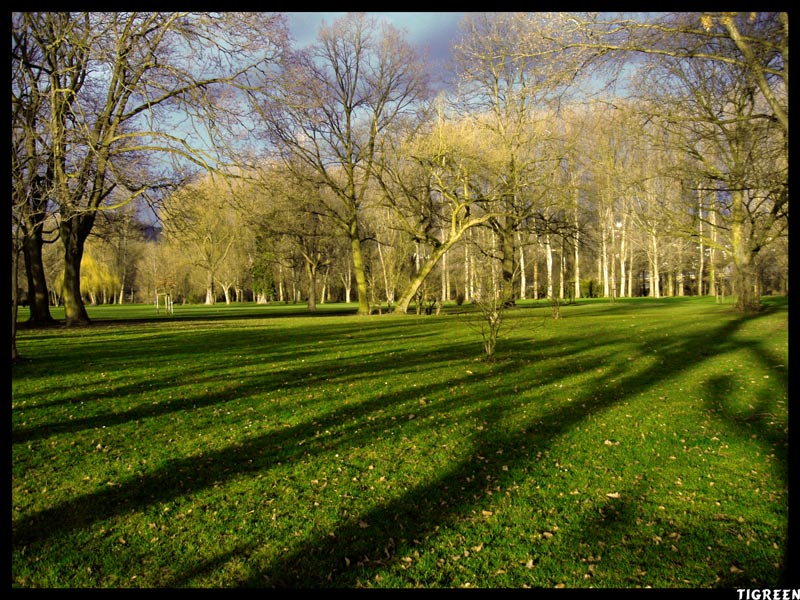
(640,443)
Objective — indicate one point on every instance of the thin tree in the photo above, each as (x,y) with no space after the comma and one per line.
(331,108)
(509,77)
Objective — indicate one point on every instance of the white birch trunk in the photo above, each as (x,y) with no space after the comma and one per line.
(536,271)
(561,269)
(523,282)
(548,253)
(655,279)
(576,268)
(622,249)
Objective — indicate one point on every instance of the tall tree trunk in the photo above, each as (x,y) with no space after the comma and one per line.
(562,259)
(701,267)
(443,278)
(548,254)
(280,283)
(358,268)
(745,272)
(74,308)
(508,260)
(712,258)
(74,231)
(38,296)
(604,261)
(311,273)
(467,292)
(523,282)
(630,270)
(536,270)
(389,291)
(655,277)
(622,250)
(576,258)
(16,250)
(612,279)
(347,282)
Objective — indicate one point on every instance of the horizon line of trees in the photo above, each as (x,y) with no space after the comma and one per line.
(296,172)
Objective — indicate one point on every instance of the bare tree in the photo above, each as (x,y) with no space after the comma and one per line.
(30,169)
(510,80)
(294,211)
(715,113)
(720,82)
(128,102)
(331,108)
(201,218)
(437,184)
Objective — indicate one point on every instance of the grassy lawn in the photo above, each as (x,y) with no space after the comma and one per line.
(629,444)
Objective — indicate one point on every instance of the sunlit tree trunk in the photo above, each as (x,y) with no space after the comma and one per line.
(523,282)
(536,270)
(603,259)
(623,240)
(712,255)
(311,274)
(655,278)
(701,266)
(562,259)
(347,282)
(548,254)
(576,250)
(745,274)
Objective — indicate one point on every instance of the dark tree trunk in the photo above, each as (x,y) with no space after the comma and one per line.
(38,296)
(73,233)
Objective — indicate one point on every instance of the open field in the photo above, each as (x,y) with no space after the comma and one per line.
(629,444)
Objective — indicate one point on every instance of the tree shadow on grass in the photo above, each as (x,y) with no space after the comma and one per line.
(356,554)
(325,562)
(285,346)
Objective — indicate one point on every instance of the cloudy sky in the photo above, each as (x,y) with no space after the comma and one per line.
(432,29)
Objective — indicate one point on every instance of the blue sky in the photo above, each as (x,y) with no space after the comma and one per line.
(435,30)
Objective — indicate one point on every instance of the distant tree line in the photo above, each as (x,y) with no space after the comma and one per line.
(566,155)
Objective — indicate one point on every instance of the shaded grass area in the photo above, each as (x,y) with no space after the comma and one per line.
(628,444)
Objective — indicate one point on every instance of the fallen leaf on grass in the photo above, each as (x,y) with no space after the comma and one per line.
(613,494)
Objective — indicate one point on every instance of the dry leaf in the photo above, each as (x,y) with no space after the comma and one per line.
(613,494)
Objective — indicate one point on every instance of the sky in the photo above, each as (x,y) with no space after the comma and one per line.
(436,30)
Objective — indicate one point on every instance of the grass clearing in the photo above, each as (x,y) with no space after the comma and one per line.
(629,444)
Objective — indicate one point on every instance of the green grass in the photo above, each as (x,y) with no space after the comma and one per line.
(634,444)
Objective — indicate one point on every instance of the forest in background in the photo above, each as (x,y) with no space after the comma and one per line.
(560,156)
